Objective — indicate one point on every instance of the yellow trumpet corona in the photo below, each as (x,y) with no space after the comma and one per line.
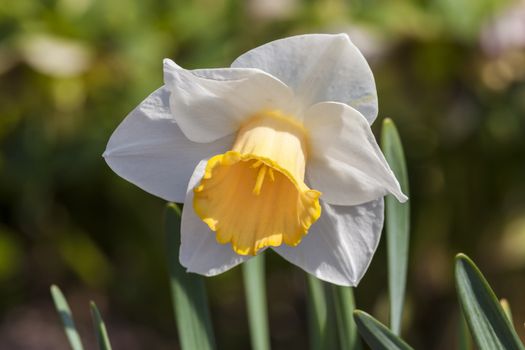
(254,196)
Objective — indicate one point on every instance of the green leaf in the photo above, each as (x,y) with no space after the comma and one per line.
(464,338)
(506,308)
(376,335)
(100,328)
(321,323)
(255,291)
(344,305)
(67,318)
(188,292)
(397,225)
(486,319)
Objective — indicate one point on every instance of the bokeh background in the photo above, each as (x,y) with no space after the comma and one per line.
(451,73)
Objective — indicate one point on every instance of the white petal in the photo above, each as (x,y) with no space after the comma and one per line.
(345,163)
(211,103)
(318,67)
(340,245)
(199,251)
(149,150)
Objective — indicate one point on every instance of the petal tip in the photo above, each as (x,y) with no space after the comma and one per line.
(169,65)
(168,62)
(342,281)
(344,36)
(401,197)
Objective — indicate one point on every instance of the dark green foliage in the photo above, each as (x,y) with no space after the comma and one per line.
(487,321)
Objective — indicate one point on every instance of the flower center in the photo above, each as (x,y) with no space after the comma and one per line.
(254,196)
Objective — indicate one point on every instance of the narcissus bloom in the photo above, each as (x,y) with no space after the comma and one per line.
(274,152)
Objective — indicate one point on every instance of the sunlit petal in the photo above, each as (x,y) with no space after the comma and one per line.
(149,150)
(210,104)
(345,163)
(318,67)
(340,245)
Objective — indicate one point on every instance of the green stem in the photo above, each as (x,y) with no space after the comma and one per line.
(344,304)
(255,291)
(188,292)
(322,330)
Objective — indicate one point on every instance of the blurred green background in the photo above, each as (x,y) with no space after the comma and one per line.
(451,73)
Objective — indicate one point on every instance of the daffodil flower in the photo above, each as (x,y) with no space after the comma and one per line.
(274,152)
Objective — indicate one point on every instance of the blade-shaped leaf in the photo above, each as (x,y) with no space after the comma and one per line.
(486,319)
(376,335)
(397,225)
(506,308)
(188,292)
(344,305)
(464,338)
(255,292)
(65,314)
(321,322)
(100,328)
